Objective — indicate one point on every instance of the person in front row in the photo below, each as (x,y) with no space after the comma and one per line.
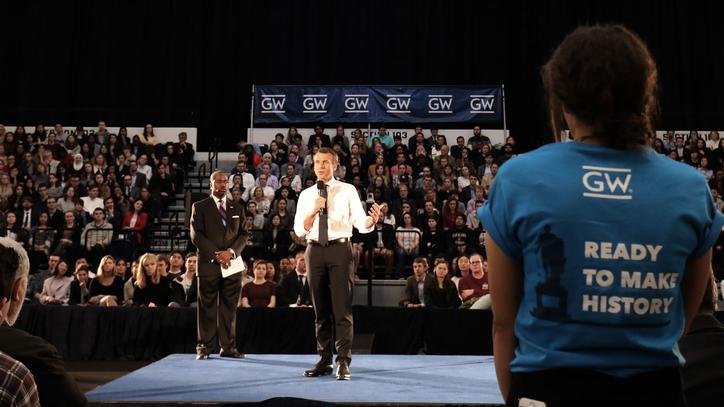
(293,291)
(440,291)
(414,289)
(473,288)
(79,286)
(259,293)
(106,289)
(151,289)
(184,288)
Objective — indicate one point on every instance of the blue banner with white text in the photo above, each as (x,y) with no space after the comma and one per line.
(378,104)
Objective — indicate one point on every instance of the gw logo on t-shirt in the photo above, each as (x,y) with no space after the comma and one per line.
(606,182)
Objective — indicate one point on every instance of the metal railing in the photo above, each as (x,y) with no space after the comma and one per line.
(214,153)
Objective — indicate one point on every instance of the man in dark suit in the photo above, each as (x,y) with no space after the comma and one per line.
(27,216)
(413,297)
(55,215)
(294,288)
(319,132)
(55,386)
(218,233)
(129,190)
(138,179)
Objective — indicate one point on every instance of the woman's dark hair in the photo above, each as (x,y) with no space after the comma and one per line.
(605,76)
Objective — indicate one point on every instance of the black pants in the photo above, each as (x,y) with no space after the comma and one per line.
(218,299)
(331,278)
(581,387)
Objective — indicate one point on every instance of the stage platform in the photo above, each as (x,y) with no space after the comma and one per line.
(377,380)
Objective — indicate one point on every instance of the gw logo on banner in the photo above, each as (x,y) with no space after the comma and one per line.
(439,103)
(398,103)
(314,103)
(607,183)
(482,104)
(273,103)
(356,103)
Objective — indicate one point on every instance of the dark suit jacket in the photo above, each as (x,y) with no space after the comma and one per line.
(283,241)
(326,141)
(288,291)
(141,181)
(412,293)
(388,237)
(55,386)
(57,220)
(180,296)
(135,192)
(703,348)
(209,234)
(435,297)
(34,215)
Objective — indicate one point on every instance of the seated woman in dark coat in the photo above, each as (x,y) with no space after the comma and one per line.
(276,238)
(79,286)
(440,291)
(150,288)
(106,289)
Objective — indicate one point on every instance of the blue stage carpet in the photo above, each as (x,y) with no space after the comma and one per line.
(381,379)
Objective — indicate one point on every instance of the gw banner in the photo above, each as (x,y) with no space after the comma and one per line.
(378,104)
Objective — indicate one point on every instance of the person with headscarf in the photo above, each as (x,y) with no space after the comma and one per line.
(76,168)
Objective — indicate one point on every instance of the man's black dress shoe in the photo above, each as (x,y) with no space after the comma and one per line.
(343,371)
(322,368)
(231,354)
(201,354)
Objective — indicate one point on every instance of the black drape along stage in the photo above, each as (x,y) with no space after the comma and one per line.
(139,333)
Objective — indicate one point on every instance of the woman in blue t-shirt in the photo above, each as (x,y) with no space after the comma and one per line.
(598,256)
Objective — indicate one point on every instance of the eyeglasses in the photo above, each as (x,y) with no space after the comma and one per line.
(476,262)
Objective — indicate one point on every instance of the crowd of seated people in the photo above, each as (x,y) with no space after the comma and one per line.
(706,154)
(165,281)
(438,288)
(71,193)
(428,191)
(66,195)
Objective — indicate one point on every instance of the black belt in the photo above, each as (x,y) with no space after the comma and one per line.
(342,240)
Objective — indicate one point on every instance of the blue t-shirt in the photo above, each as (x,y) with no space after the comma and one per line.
(603,237)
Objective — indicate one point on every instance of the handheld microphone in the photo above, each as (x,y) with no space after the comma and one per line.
(322,190)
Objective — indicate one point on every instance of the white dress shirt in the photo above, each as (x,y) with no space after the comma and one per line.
(89,205)
(344,210)
(247,180)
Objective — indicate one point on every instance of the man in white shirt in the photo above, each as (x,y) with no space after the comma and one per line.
(271,180)
(247,179)
(293,291)
(325,216)
(92,201)
(144,168)
(262,183)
